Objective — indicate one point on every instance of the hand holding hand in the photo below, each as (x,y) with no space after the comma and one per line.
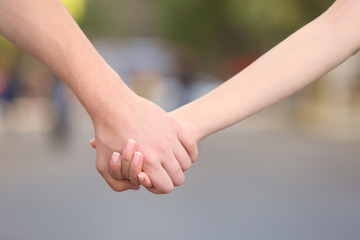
(168,149)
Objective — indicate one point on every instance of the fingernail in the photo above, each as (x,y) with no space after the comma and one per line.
(91,140)
(141,178)
(130,145)
(136,158)
(115,158)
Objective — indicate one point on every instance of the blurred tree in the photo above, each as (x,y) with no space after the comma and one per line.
(211,30)
(216,30)
(121,18)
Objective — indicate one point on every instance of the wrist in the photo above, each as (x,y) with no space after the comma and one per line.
(186,120)
(113,97)
(93,81)
(101,91)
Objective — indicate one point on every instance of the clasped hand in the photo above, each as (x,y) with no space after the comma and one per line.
(160,149)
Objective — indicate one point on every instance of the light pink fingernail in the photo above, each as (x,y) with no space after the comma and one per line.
(136,158)
(130,145)
(115,158)
(141,178)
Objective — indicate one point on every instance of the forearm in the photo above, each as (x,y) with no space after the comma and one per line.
(297,61)
(45,30)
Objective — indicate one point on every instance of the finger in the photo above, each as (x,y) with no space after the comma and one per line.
(175,172)
(183,158)
(136,176)
(189,143)
(120,185)
(135,167)
(144,180)
(92,143)
(103,167)
(126,157)
(115,166)
(158,176)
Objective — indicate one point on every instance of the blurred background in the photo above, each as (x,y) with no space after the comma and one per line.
(289,172)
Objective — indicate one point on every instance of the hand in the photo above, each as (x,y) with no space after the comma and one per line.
(168,148)
(133,161)
(136,176)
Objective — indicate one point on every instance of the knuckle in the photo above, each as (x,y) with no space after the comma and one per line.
(149,162)
(193,145)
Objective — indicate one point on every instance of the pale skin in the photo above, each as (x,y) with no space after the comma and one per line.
(45,30)
(299,60)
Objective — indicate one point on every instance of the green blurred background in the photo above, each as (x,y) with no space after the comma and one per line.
(289,172)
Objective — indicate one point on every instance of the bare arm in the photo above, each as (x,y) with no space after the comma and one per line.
(45,30)
(297,61)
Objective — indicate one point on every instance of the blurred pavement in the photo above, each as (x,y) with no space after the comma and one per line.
(247,184)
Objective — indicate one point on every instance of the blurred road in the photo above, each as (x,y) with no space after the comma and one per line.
(247,184)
